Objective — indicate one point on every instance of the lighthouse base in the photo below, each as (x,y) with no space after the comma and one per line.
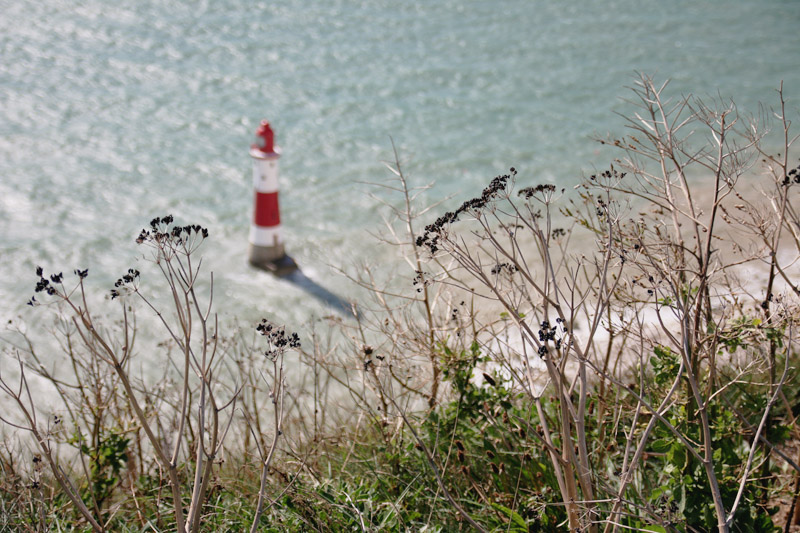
(272,259)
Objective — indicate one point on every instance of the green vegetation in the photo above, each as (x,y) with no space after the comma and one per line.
(622,357)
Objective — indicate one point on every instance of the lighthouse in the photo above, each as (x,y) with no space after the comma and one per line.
(267,250)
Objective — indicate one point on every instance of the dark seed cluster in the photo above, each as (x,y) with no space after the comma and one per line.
(547,333)
(530,192)
(125,280)
(499,268)
(277,339)
(160,232)
(421,280)
(130,277)
(454,314)
(542,350)
(602,208)
(46,284)
(793,176)
(608,174)
(433,232)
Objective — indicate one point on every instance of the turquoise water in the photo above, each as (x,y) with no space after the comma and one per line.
(114,112)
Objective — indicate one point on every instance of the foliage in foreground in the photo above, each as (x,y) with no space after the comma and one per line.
(623,358)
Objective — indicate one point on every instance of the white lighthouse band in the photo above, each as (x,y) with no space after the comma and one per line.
(265,237)
(265,169)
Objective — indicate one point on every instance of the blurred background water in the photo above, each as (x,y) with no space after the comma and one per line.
(112,113)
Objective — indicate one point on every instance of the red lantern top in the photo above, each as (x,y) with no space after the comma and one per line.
(265,138)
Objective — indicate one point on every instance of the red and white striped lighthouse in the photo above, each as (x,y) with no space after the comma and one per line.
(266,239)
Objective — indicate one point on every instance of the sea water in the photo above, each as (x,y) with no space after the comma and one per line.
(112,113)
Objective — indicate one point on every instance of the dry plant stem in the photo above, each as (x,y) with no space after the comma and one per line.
(702,409)
(792,516)
(567,459)
(435,469)
(111,357)
(23,390)
(690,447)
(628,472)
(690,311)
(202,474)
(277,395)
(775,244)
(753,447)
(603,297)
(569,416)
(97,407)
(426,299)
(558,465)
(569,463)
(773,448)
(369,369)
(181,279)
(705,261)
(691,375)
(726,166)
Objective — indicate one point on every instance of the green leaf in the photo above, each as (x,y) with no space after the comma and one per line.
(666,301)
(677,455)
(660,445)
(327,496)
(513,515)
(682,499)
(778,433)
(657,492)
